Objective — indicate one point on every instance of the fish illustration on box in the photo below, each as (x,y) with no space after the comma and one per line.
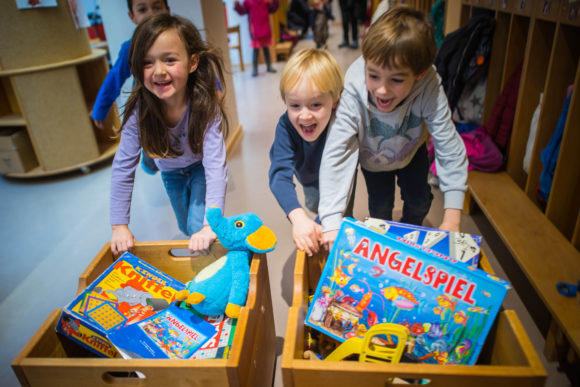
(461,246)
(449,307)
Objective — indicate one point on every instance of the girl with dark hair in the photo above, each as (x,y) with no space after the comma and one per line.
(176,114)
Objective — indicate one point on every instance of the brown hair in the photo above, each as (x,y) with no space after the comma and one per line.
(201,89)
(317,65)
(401,37)
(130,5)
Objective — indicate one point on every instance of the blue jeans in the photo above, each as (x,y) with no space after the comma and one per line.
(186,190)
(415,190)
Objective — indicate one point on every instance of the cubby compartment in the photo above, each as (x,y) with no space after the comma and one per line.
(533,78)
(561,74)
(496,62)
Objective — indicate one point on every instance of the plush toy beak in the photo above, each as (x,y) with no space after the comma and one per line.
(262,240)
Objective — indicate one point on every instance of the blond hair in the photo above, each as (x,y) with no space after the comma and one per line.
(317,65)
(401,37)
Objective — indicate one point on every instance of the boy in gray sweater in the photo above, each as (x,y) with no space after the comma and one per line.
(388,94)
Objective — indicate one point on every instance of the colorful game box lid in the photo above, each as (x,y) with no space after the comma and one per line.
(461,246)
(128,291)
(173,333)
(372,278)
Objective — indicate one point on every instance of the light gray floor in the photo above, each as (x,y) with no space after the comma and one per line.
(52,228)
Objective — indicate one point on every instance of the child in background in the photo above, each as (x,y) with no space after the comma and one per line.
(116,77)
(310,86)
(320,10)
(176,115)
(388,92)
(259,19)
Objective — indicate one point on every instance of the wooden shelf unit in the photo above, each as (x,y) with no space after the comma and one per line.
(48,84)
(544,41)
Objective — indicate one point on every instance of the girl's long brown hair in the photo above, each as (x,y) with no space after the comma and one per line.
(201,90)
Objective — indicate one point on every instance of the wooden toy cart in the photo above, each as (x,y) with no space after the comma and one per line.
(49,359)
(507,359)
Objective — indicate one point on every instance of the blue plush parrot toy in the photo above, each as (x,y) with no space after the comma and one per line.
(223,285)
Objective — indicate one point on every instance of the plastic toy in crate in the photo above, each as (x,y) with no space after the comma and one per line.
(130,290)
(461,246)
(372,278)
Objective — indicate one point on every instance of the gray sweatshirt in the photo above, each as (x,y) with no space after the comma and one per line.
(388,141)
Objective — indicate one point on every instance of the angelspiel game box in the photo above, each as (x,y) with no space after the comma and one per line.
(463,247)
(129,291)
(173,333)
(372,278)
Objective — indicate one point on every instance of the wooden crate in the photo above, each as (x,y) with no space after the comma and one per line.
(49,359)
(507,358)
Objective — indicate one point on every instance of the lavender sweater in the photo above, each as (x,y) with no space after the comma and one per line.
(129,151)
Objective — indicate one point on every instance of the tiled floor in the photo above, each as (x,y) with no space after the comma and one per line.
(52,228)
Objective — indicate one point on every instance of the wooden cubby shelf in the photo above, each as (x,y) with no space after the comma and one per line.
(47,89)
(542,238)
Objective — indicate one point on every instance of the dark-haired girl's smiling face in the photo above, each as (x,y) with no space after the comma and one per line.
(167,66)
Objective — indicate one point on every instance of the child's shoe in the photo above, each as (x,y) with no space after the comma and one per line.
(343,44)
(254,72)
(354,45)
(271,69)
(148,164)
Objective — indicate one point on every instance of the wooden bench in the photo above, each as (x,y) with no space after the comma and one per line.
(544,255)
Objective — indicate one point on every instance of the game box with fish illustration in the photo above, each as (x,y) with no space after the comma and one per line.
(461,246)
(130,290)
(372,278)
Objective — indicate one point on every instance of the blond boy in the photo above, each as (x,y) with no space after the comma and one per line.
(310,86)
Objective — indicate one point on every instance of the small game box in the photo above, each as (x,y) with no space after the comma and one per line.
(173,333)
(129,291)
(372,278)
(463,247)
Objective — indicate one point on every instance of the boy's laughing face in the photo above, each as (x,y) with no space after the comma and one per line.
(389,87)
(309,110)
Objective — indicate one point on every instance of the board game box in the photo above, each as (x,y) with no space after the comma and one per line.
(173,333)
(218,346)
(463,247)
(129,291)
(372,278)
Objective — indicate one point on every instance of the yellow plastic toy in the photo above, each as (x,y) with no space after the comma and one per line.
(377,345)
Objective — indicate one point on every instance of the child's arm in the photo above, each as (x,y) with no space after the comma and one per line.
(339,162)
(305,232)
(111,87)
(450,154)
(214,164)
(122,239)
(122,179)
(283,153)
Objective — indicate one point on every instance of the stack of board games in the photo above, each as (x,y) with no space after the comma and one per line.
(462,247)
(372,277)
(173,333)
(130,290)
